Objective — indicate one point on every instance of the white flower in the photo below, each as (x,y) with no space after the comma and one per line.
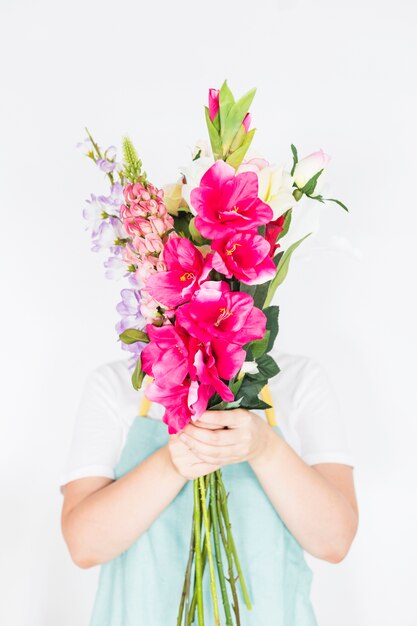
(275,184)
(249,367)
(193,175)
(173,199)
(308,167)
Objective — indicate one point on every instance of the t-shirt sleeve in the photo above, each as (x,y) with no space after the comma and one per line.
(97,433)
(319,420)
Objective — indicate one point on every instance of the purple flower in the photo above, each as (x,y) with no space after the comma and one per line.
(106,166)
(116,266)
(129,309)
(135,349)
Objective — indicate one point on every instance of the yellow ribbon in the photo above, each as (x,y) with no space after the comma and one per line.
(265,394)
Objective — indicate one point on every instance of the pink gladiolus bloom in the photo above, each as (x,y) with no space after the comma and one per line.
(246,256)
(226,202)
(165,358)
(204,368)
(182,402)
(185,269)
(213,100)
(246,122)
(215,312)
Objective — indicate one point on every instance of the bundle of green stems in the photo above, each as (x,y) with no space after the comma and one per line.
(212,530)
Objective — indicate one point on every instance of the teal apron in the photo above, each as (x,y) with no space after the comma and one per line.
(142,586)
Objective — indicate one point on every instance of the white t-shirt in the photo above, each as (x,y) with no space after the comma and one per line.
(306,409)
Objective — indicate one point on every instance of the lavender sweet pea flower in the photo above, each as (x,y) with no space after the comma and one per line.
(93,213)
(135,349)
(129,309)
(85,146)
(116,266)
(105,165)
(108,231)
(116,198)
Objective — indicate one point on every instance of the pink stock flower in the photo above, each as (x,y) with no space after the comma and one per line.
(226,202)
(185,270)
(215,312)
(148,306)
(182,402)
(213,102)
(246,256)
(144,210)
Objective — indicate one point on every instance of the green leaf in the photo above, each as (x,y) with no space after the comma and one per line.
(132,335)
(272,314)
(267,366)
(195,234)
(310,185)
(235,118)
(182,223)
(277,257)
(248,394)
(260,294)
(235,158)
(226,101)
(294,158)
(250,289)
(337,202)
(282,270)
(216,144)
(259,346)
(138,375)
(287,222)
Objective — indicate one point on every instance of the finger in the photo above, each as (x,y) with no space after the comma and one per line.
(231,419)
(218,437)
(207,468)
(211,454)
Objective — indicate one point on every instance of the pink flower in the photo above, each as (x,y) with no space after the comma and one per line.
(246,122)
(182,402)
(144,210)
(215,312)
(213,100)
(246,256)
(185,269)
(165,358)
(203,366)
(226,203)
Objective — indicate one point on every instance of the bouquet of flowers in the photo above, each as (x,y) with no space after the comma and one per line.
(204,257)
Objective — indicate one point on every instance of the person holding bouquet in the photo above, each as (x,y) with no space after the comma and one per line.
(205,258)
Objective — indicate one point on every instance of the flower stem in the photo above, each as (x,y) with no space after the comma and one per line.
(229,556)
(185,596)
(230,540)
(217,550)
(198,563)
(190,616)
(209,551)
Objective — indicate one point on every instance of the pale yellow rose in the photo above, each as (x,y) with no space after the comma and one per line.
(173,198)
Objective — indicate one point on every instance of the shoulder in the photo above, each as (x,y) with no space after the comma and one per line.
(308,410)
(111,383)
(299,376)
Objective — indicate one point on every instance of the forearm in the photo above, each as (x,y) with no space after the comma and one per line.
(318,515)
(109,520)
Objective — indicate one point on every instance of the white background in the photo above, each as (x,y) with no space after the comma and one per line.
(335,75)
